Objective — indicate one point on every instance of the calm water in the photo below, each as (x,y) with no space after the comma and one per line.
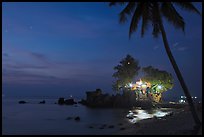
(50,118)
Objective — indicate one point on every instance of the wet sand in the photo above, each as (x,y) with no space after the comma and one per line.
(180,123)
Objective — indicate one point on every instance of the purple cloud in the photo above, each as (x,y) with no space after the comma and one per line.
(5,54)
(24,66)
(23,77)
(175,44)
(182,48)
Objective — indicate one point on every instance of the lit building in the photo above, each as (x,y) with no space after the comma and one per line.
(144,90)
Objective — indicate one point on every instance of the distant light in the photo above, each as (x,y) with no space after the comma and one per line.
(182,96)
(159,87)
(172,102)
(144,86)
(182,101)
(195,97)
(140,83)
(130,84)
(128,62)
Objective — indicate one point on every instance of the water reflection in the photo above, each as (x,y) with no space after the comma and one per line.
(136,115)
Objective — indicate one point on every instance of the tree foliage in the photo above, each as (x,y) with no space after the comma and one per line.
(152,13)
(125,72)
(158,77)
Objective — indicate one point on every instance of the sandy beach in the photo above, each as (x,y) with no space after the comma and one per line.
(181,123)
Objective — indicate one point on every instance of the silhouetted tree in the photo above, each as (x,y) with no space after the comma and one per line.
(158,78)
(153,12)
(125,72)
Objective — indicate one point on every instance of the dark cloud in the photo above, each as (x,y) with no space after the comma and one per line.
(24,66)
(5,54)
(175,44)
(182,48)
(19,76)
(38,56)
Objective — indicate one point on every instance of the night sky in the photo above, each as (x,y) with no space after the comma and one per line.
(58,49)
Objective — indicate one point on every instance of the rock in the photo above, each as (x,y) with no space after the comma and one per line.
(22,102)
(120,124)
(42,102)
(83,102)
(127,100)
(146,104)
(70,102)
(91,96)
(61,101)
(77,118)
(104,125)
(122,128)
(111,126)
(69,118)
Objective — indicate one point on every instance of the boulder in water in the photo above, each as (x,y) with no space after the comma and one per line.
(61,101)
(42,102)
(77,118)
(22,102)
(70,102)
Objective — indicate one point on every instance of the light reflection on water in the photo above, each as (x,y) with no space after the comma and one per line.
(137,115)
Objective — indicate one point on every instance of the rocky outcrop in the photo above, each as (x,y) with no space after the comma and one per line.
(77,118)
(62,101)
(70,102)
(126,100)
(83,102)
(22,102)
(42,102)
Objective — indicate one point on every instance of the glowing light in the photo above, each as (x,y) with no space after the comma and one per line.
(130,84)
(140,82)
(195,97)
(160,114)
(128,62)
(134,120)
(142,114)
(182,101)
(159,87)
(172,102)
(144,86)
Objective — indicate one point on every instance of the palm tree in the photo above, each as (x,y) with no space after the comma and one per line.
(153,12)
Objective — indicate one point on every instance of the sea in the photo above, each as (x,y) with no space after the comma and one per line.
(33,118)
(53,119)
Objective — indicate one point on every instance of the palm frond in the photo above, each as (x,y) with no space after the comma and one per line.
(156,19)
(114,3)
(172,15)
(128,10)
(187,6)
(135,19)
(145,18)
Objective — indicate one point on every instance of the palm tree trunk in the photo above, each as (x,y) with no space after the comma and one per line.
(178,73)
